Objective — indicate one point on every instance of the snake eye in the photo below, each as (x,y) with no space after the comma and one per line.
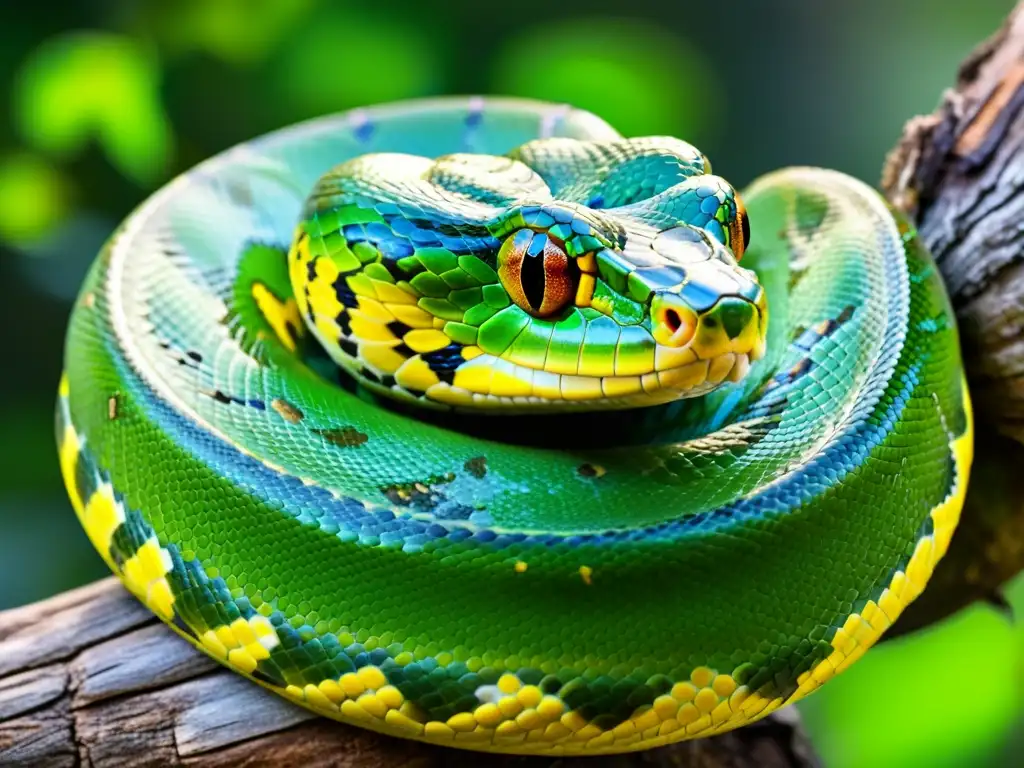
(536,272)
(739,230)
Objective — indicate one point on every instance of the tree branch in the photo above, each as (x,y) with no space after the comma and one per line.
(959,173)
(91,677)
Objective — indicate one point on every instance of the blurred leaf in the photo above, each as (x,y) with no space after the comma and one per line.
(239,31)
(43,548)
(637,76)
(28,445)
(59,260)
(348,59)
(88,85)
(964,673)
(33,197)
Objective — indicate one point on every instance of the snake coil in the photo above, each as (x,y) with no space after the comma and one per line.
(270,424)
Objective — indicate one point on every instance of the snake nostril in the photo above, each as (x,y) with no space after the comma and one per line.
(673,323)
(672,320)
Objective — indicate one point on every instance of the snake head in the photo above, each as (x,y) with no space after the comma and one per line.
(566,274)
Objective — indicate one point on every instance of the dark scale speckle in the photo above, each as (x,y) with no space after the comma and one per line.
(428,496)
(802,367)
(226,399)
(477,466)
(129,535)
(346,437)
(419,495)
(805,338)
(443,362)
(345,295)
(398,328)
(87,475)
(550,684)
(390,262)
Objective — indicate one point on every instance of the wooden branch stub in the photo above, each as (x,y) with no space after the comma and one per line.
(92,678)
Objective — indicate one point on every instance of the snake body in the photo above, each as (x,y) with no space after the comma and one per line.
(459,420)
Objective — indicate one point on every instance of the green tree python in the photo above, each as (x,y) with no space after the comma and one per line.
(460,420)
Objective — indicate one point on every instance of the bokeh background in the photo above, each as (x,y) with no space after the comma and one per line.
(105,100)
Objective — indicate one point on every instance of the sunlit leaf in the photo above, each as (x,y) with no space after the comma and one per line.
(33,197)
(95,86)
(239,31)
(349,58)
(640,78)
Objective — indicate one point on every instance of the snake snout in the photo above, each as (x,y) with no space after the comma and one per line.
(698,350)
(732,324)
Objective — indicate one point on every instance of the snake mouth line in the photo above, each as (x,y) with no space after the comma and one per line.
(510,385)
(636,370)
(638,374)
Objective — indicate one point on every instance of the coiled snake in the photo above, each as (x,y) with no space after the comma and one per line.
(459,420)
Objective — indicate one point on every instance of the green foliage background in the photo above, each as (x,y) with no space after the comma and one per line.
(107,100)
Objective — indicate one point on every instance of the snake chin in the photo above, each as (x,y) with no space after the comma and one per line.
(492,384)
(686,377)
(702,376)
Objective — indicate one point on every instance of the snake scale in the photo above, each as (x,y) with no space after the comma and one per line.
(460,420)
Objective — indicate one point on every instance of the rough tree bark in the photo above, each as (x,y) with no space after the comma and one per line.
(90,677)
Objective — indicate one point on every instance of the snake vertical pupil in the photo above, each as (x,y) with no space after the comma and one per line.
(740,230)
(532,278)
(672,320)
(536,272)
